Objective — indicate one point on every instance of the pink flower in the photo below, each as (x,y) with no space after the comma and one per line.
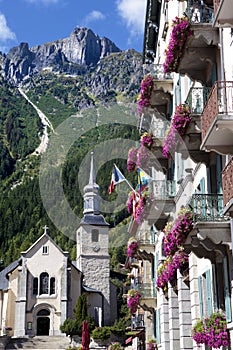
(179,124)
(145,92)
(132,159)
(147,140)
(180,32)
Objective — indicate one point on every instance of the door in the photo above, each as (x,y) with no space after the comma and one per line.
(43,324)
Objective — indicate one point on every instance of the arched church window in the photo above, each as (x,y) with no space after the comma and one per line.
(95,235)
(35,285)
(52,285)
(43,312)
(44,283)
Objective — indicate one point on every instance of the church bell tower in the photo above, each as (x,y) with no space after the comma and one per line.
(92,245)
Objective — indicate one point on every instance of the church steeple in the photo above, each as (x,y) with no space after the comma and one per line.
(91,192)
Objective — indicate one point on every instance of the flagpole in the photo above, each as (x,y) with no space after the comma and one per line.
(128,183)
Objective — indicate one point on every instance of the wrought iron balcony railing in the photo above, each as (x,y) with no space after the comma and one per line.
(137,321)
(197,98)
(147,290)
(207,207)
(157,72)
(219,102)
(199,12)
(163,189)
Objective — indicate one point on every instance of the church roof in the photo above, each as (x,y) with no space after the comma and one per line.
(45,235)
(91,290)
(4,273)
(93,219)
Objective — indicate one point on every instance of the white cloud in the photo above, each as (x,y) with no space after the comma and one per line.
(93,16)
(133,14)
(5,32)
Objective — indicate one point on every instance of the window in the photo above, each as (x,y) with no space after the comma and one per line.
(205,294)
(43,312)
(44,283)
(95,235)
(52,285)
(45,249)
(35,286)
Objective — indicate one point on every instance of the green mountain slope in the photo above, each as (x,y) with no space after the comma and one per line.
(100,103)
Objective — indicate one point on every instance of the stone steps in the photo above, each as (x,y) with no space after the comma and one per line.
(39,342)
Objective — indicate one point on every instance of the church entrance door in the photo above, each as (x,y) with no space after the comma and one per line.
(43,322)
(43,325)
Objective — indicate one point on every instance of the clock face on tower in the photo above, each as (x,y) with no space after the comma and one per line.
(96,248)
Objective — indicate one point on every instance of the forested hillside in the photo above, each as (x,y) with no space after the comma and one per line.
(114,81)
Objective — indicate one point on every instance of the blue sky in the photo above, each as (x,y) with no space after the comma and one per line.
(41,21)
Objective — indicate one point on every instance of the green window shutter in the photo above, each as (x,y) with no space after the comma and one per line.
(157,327)
(216,304)
(226,290)
(209,293)
(202,185)
(219,173)
(200,296)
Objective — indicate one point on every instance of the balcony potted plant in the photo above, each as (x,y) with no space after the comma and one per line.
(180,121)
(181,30)
(211,331)
(147,86)
(132,159)
(152,344)
(132,248)
(133,299)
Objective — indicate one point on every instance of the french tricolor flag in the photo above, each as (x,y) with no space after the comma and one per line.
(117,178)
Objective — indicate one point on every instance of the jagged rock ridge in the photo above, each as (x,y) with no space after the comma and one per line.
(71,55)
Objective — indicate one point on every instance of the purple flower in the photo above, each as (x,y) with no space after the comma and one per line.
(132,159)
(133,299)
(147,140)
(179,124)
(145,92)
(132,249)
(211,331)
(180,32)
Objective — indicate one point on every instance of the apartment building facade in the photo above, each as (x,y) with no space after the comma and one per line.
(183,265)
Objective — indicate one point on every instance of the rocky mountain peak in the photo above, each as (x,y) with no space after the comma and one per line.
(82,48)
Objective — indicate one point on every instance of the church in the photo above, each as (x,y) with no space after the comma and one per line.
(40,290)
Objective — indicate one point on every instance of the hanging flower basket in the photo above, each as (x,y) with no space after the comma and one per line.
(177,232)
(180,121)
(132,248)
(133,299)
(132,159)
(147,86)
(147,139)
(152,345)
(181,30)
(211,331)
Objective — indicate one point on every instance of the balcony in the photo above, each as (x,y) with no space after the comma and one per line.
(223,13)
(161,97)
(211,228)
(217,119)
(196,100)
(164,192)
(199,54)
(148,293)
(207,207)
(227,184)
(146,249)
